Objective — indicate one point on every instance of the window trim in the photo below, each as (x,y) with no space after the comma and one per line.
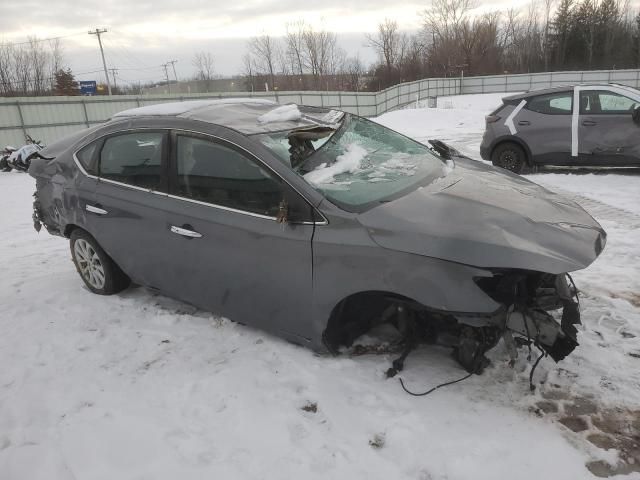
(169,131)
(606,112)
(172,172)
(569,93)
(102,138)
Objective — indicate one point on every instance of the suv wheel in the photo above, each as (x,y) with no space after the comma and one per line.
(509,156)
(99,273)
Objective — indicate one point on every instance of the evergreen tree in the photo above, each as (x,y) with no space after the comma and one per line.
(65,83)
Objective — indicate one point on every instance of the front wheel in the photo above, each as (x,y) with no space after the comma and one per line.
(509,156)
(99,273)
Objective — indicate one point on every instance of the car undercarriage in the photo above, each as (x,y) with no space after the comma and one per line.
(537,309)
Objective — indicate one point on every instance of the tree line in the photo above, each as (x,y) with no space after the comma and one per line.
(454,40)
(546,35)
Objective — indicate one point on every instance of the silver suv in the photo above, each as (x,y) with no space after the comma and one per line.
(575,125)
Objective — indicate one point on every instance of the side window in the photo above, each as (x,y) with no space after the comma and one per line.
(87,158)
(217,174)
(133,158)
(552,104)
(611,102)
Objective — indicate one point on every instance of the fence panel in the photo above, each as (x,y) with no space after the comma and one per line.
(49,118)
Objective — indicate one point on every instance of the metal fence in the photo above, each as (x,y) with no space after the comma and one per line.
(50,118)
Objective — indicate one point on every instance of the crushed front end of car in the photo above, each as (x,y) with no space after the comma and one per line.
(538,309)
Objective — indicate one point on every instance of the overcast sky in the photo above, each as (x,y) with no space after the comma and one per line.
(143,34)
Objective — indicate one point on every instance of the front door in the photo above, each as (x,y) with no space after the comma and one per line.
(229,253)
(607,134)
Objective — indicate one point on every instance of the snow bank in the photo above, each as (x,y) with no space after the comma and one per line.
(349,161)
(285,113)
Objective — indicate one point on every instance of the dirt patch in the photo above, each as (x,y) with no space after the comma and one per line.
(605,428)
(632,297)
(310,407)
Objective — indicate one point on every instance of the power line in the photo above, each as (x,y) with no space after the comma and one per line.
(38,40)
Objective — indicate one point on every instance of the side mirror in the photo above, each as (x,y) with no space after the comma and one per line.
(635,114)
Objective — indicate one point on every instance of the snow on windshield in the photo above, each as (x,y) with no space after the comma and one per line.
(285,113)
(366,167)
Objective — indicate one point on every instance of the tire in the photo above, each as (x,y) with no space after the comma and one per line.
(98,272)
(510,156)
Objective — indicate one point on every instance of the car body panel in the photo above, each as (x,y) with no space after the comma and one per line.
(483,217)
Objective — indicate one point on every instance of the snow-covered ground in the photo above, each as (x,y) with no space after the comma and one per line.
(139,386)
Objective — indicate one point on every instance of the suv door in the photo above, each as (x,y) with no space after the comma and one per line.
(607,133)
(229,252)
(126,215)
(545,125)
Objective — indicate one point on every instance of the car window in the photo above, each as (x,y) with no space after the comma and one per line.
(560,103)
(86,157)
(611,102)
(133,158)
(218,174)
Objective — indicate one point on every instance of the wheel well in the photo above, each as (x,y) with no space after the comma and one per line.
(69,228)
(357,313)
(516,141)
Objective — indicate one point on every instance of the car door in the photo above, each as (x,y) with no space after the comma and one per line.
(228,251)
(544,123)
(126,215)
(607,134)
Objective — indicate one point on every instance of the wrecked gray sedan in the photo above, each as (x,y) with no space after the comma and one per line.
(317,225)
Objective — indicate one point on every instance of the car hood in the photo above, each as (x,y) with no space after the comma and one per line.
(486,217)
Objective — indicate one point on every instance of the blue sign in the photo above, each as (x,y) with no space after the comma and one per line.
(88,87)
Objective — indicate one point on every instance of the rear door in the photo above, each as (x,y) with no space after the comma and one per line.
(607,134)
(126,216)
(229,252)
(544,123)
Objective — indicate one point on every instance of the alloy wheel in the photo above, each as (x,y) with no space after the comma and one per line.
(89,263)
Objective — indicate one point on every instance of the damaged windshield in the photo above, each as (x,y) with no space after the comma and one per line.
(361,163)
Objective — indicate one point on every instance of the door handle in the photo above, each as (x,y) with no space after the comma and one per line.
(524,122)
(185,231)
(96,209)
(588,123)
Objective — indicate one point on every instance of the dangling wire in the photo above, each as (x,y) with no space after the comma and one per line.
(535,365)
(434,388)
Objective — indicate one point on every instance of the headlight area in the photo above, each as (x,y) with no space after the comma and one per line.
(541,309)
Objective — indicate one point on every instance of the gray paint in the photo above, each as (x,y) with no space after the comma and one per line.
(428,245)
(575,138)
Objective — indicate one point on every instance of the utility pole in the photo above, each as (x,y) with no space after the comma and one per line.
(114,72)
(166,74)
(173,64)
(97,32)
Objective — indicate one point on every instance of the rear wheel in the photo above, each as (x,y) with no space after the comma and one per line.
(510,156)
(99,273)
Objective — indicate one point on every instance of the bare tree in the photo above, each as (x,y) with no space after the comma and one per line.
(203,62)
(266,53)
(389,45)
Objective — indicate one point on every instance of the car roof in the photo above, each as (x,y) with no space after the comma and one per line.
(246,115)
(557,89)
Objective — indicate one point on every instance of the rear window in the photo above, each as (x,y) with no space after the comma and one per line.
(88,159)
(560,103)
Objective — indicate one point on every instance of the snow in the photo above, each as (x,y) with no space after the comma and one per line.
(349,162)
(284,113)
(178,108)
(139,386)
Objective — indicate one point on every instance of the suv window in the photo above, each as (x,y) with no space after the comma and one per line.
(133,158)
(215,173)
(605,102)
(552,104)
